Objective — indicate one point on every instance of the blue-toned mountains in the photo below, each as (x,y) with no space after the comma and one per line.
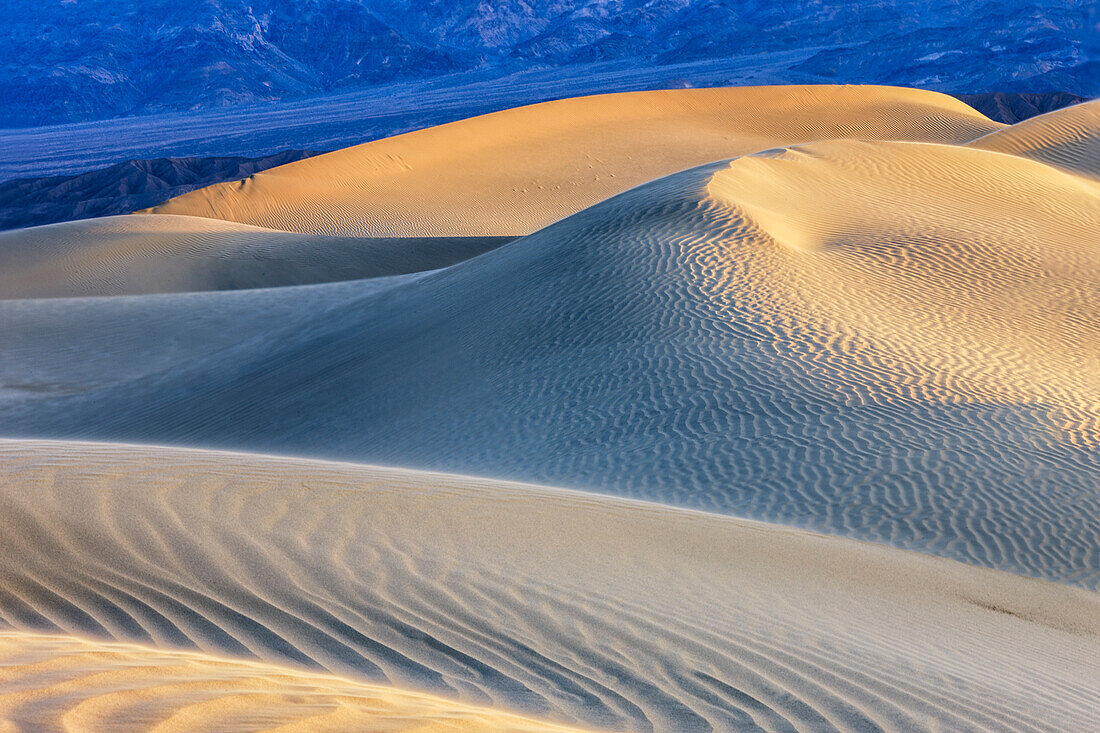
(66,61)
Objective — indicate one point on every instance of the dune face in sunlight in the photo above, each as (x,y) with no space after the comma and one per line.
(855,311)
(72,684)
(912,267)
(512,172)
(569,606)
(1068,138)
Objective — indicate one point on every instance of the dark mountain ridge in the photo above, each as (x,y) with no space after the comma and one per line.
(1011,108)
(122,188)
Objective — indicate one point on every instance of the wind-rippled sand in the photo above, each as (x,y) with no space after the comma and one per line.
(1068,138)
(562,605)
(65,683)
(858,311)
(894,341)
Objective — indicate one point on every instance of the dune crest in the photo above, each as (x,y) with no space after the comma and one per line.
(925,249)
(1067,138)
(512,172)
(142,254)
(639,617)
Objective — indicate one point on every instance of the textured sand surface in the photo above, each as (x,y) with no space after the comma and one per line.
(512,172)
(62,683)
(859,311)
(126,255)
(892,341)
(564,605)
(1068,138)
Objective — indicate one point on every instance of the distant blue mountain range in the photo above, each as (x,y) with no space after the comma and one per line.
(77,60)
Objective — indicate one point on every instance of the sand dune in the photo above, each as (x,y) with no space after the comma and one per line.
(58,347)
(125,255)
(894,338)
(1068,138)
(512,172)
(63,683)
(932,262)
(891,341)
(638,617)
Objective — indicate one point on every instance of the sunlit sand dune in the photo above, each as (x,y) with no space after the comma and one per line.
(566,606)
(512,172)
(891,341)
(61,683)
(120,255)
(968,301)
(1068,138)
(866,312)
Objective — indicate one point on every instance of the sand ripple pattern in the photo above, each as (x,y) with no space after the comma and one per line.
(891,341)
(60,683)
(1068,138)
(566,606)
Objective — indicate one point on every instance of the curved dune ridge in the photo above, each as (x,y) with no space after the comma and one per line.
(1068,138)
(512,172)
(61,683)
(918,260)
(639,617)
(891,341)
(139,254)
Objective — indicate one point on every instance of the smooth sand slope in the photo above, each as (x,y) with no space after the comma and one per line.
(64,683)
(567,606)
(127,255)
(1068,138)
(512,172)
(892,341)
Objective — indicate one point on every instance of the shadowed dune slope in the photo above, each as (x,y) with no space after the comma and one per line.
(1068,138)
(125,255)
(892,341)
(60,683)
(640,617)
(512,172)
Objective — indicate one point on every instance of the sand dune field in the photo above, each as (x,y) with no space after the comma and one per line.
(909,356)
(815,372)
